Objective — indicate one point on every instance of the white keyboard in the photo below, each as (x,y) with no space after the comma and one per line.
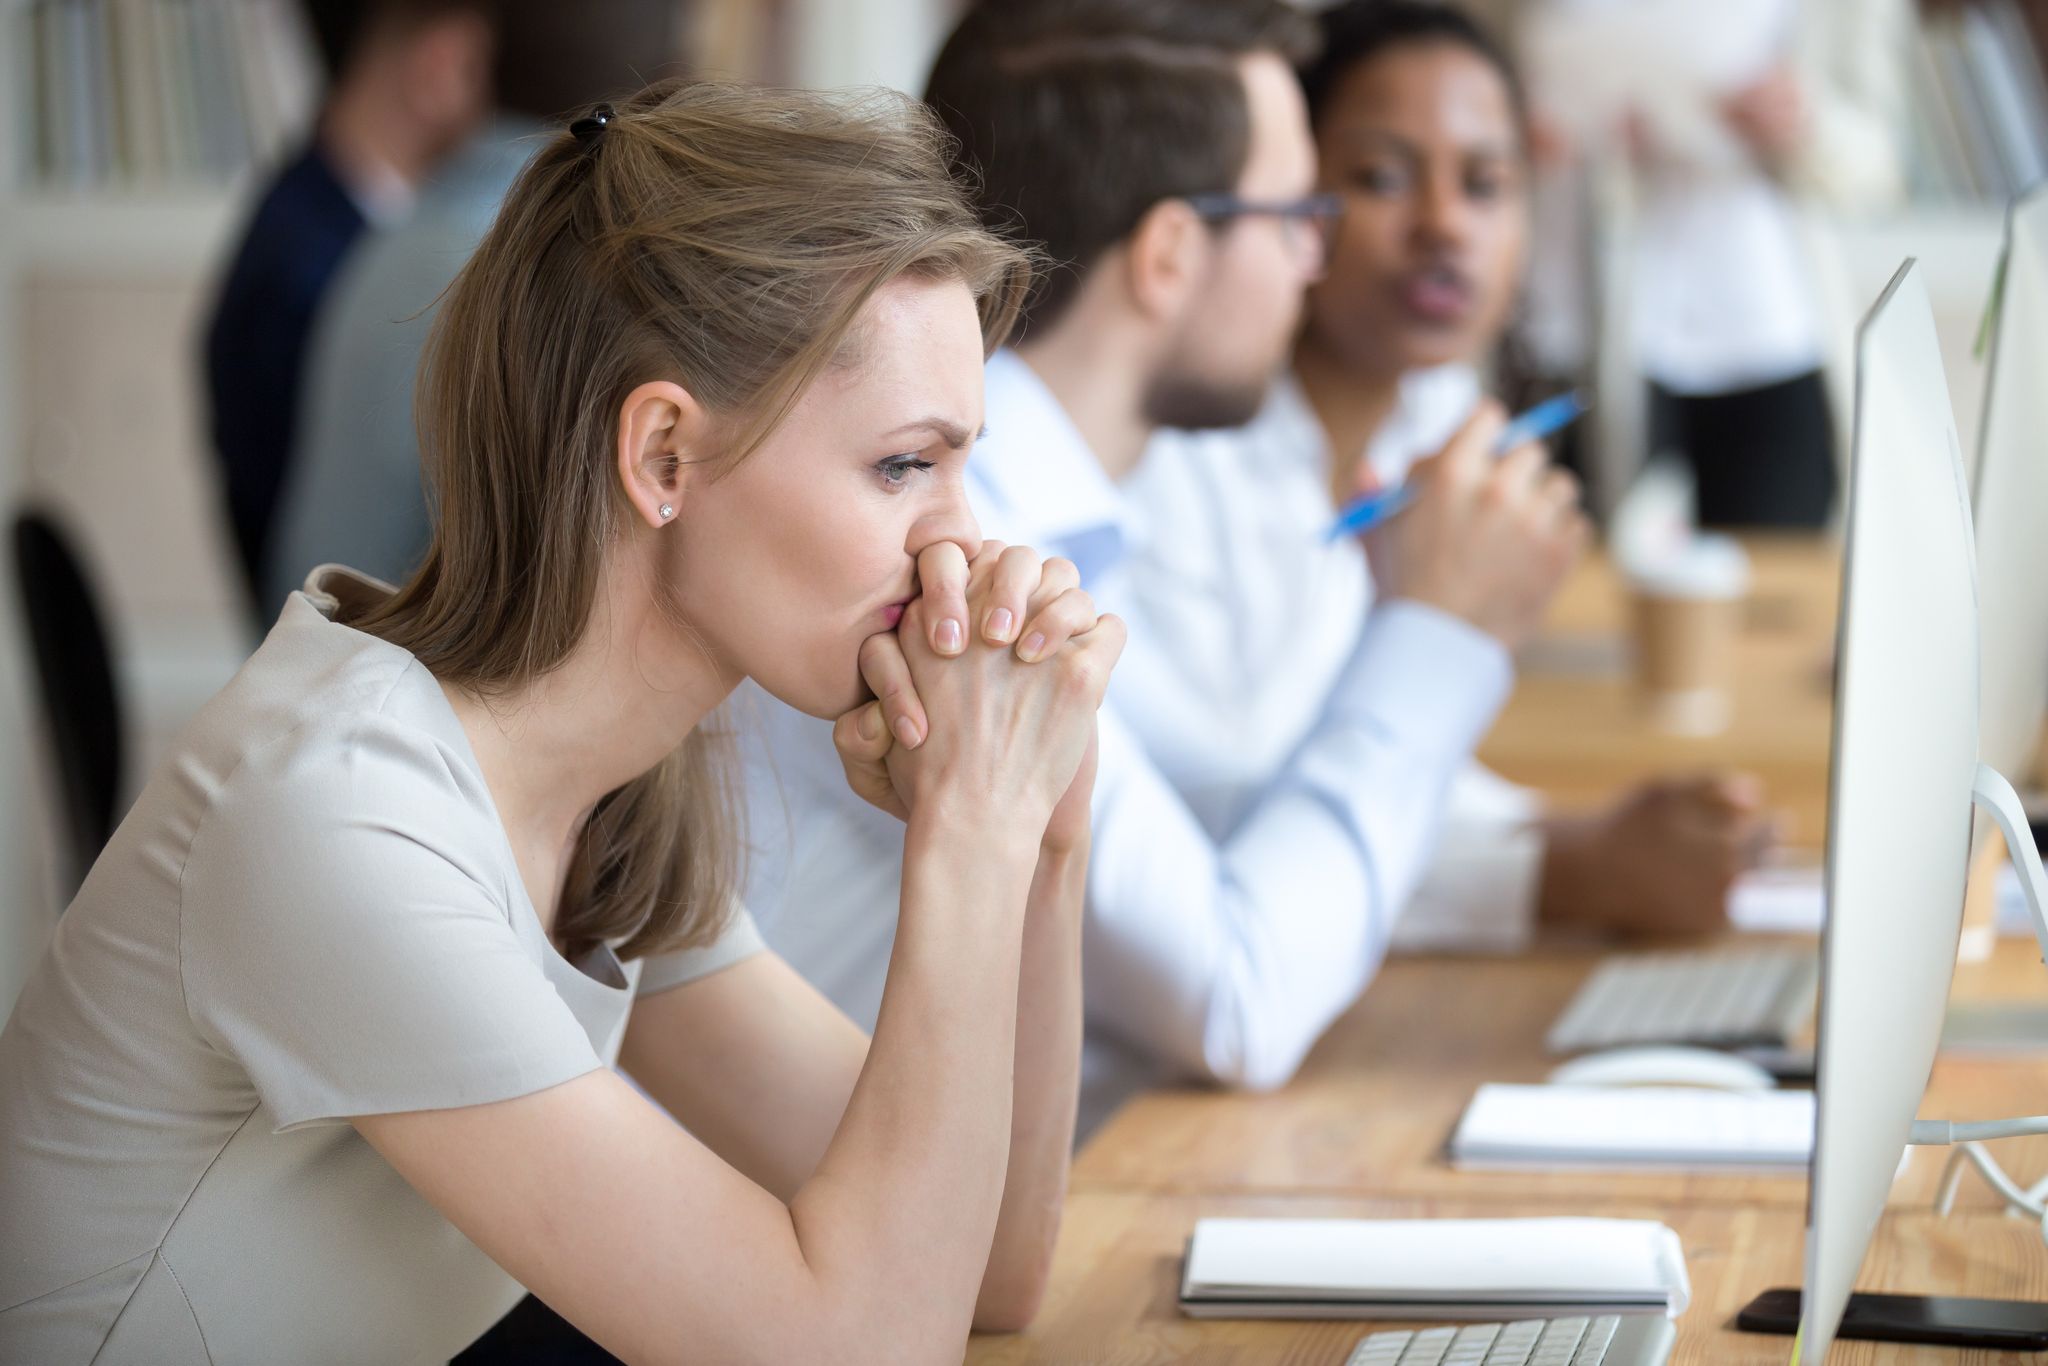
(1721,998)
(1610,1340)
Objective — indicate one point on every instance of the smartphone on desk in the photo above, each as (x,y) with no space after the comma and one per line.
(1945,1320)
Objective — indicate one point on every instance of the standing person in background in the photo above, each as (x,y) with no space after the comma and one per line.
(408,81)
(1243,613)
(1162,153)
(1721,292)
(353,496)
(1727,312)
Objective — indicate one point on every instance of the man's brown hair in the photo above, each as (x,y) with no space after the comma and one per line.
(1075,117)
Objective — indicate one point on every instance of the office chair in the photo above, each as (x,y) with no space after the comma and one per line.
(75,677)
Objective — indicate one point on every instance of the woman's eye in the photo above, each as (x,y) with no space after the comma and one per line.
(897,469)
(1486,185)
(1378,179)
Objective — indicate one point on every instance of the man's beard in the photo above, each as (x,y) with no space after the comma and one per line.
(1179,400)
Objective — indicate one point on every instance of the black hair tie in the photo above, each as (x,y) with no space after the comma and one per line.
(590,125)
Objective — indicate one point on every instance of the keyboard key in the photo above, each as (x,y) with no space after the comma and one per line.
(1380,1349)
(1593,1347)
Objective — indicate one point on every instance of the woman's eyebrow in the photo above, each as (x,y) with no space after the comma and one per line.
(1362,135)
(1365,134)
(952,433)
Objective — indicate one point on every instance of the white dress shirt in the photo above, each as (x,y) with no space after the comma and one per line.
(1242,617)
(1206,956)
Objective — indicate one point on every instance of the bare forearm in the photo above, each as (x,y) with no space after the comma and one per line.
(902,1210)
(1048,1063)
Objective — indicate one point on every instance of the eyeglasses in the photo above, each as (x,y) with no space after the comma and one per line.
(1312,219)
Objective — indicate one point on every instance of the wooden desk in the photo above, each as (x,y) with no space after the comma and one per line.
(1117,1274)
(1374,1103)
(1360,1132)
(1574,729)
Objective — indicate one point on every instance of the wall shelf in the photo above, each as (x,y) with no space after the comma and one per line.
(107,233)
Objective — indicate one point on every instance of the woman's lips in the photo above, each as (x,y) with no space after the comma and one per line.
(893,613)
(1437,295)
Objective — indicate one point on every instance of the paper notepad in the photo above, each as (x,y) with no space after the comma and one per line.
(1432,1268)
(1633,1126)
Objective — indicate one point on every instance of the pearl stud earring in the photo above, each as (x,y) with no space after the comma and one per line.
(667,512)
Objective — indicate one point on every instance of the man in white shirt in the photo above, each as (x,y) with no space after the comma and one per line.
(1243,617)
(1242,614)
(1163,156)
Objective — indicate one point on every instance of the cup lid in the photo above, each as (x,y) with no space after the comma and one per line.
(1706,566)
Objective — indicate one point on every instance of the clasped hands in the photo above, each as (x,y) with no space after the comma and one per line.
(985,696)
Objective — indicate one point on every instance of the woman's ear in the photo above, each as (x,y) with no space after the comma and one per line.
(660,427)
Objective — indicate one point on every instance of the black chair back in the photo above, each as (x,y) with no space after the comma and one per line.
(75,677)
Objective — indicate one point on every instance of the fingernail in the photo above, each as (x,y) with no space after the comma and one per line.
(1033,643)
(870,723)
(906,732)
(946,640)
(999,623)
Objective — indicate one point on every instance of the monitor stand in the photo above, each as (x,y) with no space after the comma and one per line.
(1999,801)
(2005,1325)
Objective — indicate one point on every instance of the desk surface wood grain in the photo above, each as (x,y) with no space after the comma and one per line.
(1117,1274)
(1376,1100)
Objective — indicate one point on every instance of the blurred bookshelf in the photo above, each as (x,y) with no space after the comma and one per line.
(143,95)
(131,125)
(1976,101)
(1973,130)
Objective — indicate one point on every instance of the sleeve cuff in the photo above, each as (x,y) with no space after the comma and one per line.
(1480,894)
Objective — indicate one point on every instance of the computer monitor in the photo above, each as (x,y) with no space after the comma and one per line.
(2011,503)
(1899,795)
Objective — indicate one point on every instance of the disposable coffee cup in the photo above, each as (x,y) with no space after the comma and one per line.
(1687,610)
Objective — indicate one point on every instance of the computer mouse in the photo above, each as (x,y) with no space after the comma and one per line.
(1664,1066)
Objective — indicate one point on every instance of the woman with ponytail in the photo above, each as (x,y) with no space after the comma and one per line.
(317,1067)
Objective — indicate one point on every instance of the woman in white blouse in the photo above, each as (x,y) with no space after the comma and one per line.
(315,1068)
(1245,612)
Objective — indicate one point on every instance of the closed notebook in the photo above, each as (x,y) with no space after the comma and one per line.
(1432,1268)
(1654,1128)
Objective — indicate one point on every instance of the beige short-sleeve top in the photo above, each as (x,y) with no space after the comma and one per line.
(311,913)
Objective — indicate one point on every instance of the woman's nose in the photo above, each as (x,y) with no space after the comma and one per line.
(951,520)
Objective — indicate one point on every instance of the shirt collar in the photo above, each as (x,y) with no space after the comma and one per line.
(1290,425)
(482,170)
(1433,403)
(1429,406)
(382,196)
(1036,479)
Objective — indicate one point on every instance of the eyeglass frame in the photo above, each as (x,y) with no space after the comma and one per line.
(1320,212)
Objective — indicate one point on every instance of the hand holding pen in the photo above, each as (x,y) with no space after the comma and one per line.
(1486,537)
(1546,419)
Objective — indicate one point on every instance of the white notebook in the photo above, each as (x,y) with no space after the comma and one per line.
(1432,1268)
(1655,1128)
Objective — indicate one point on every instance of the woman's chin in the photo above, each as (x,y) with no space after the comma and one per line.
(1426,348)
(815,696)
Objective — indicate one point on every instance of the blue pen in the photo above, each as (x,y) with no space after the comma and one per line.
(1547,418)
